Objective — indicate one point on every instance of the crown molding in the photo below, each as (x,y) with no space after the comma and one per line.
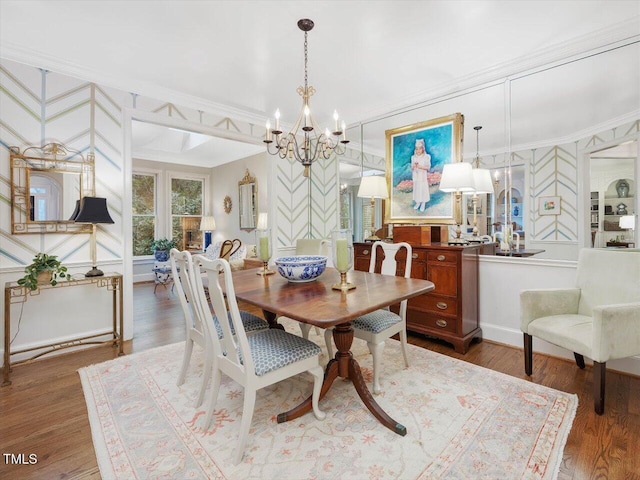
(16,53)
(616,36)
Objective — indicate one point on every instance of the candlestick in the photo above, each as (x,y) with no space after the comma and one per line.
(342,242)
(264,250)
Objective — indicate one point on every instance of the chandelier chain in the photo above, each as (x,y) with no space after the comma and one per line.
(309,143)
(305,62)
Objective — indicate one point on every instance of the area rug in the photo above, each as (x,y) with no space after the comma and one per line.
(463,422)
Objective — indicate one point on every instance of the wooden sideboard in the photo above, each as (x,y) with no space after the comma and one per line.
(450,311)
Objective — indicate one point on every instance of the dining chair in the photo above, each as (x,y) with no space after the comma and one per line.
(181,267)
(377,326)
(599,318)
(256,361)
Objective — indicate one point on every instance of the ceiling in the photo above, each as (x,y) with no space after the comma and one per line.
(366,59)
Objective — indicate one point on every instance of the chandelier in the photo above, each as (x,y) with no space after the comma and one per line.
(312,143)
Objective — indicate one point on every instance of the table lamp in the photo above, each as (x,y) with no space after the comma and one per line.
(483,184)
(628,222)
(373,187)
(207,225)
(93,210)
(457,178)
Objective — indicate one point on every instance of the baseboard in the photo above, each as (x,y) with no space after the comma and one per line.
(513,337)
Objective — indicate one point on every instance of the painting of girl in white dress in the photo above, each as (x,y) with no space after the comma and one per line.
(416,155)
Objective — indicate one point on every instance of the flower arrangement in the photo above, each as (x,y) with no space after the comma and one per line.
(163,244)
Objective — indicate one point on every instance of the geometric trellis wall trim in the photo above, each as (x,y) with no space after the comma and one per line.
(554,173)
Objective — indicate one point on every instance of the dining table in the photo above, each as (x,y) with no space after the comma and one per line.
(316,303)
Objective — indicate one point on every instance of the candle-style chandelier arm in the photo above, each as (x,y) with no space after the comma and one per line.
(306,141)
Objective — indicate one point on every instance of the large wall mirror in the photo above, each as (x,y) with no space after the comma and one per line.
(536,132)
(46,183)
(248,201)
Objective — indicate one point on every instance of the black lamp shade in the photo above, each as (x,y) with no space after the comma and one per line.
(76,211)
(93,210)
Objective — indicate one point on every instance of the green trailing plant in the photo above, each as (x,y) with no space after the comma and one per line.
(163,244)
(43,263)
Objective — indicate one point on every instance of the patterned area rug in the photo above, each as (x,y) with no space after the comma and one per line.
(463,422)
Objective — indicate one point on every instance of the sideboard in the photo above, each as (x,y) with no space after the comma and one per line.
(450,311)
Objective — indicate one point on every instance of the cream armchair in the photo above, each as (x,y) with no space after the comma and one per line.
(599,319)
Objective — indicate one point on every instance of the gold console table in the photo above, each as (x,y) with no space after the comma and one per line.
(14,294)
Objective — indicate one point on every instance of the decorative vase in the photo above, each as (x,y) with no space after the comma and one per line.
(161,255)
(622,188)
(44,278)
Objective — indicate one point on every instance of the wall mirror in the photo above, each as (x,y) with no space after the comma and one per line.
(46,183)
(247,201)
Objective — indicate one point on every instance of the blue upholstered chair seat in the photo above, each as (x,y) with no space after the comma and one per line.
(250,321)
(273,349)
(376,322)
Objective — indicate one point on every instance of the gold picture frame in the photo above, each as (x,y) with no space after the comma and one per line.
(413,176)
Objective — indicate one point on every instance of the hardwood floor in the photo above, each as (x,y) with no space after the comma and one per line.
(44,413)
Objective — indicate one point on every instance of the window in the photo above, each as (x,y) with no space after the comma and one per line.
(144,213)
(186,212)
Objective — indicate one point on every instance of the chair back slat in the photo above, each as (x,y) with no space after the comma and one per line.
(389,264)
(233,349)
(181,266)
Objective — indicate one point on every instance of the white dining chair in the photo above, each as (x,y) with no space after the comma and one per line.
(377,326)
(181,266)
(255,361)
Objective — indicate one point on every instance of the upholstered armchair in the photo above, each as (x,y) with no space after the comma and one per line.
(598,319)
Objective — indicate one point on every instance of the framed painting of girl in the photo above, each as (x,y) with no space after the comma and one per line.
(416,155)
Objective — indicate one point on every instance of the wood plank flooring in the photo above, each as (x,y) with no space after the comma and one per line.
(44,413)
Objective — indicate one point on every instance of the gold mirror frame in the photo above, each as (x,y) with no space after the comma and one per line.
(50,157)
(245,223)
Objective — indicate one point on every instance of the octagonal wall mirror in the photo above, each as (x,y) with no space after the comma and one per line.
(46,183)
(247,201)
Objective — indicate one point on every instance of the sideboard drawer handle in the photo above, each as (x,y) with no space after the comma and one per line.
(442,305)
(415,255)
(365,252)
(441,258)
(441,323)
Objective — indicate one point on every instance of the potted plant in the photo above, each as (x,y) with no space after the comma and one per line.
(161,248)
(44,269)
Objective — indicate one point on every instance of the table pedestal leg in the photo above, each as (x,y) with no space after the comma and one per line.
(272,320)
(345,366)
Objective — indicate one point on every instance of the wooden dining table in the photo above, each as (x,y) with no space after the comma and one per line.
(316,303)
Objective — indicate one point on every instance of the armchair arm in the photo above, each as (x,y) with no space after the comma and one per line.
(545,302)
(616,331)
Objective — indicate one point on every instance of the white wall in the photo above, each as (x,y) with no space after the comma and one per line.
(224,181)
(502,280)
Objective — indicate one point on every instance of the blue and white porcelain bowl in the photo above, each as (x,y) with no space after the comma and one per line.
(301,268)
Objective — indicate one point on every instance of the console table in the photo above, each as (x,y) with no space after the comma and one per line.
(14,294)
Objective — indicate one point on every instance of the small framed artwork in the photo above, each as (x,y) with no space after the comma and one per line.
(416,155)
(549,205)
